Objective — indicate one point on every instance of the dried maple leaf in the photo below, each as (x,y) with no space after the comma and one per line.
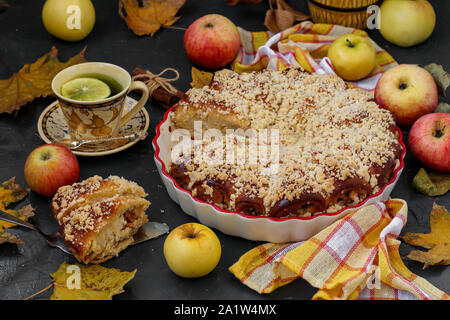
(277,20)
(200,78)
(94,282)
(283,17)
(435,183)
(33,80)
(11,192)
(438,240)
(149,18)
(441,77)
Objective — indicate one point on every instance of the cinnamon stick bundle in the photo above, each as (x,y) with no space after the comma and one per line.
(160,95)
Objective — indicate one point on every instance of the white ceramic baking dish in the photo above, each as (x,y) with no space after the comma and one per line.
(251,227)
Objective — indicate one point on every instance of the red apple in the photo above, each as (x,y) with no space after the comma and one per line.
(408,91)
(49,167)
(429,140)
(212,41)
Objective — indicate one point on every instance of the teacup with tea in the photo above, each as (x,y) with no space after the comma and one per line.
(91,96)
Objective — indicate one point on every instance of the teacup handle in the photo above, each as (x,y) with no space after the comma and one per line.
(136,85)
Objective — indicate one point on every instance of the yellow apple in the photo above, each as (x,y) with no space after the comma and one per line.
(352,56)
(70,20)
(192,250)
(406,22)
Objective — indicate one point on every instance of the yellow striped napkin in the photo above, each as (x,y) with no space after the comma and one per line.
(357,257)
(305,44)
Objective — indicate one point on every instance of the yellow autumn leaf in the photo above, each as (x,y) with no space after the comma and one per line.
(200,78)
(149,18)
(33,80)
(437,241)
(88,282)
(23,214)
(11,192)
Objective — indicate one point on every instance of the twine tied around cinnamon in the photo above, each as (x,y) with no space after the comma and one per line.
(154,81)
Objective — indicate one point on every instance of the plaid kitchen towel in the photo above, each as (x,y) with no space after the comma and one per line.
(305,44)
(357,257)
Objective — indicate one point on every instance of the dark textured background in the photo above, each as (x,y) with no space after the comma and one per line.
(25,270)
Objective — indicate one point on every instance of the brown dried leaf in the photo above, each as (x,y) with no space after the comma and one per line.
(33,80)
(149,18)
(270,21)
(437,241)
(441,77)
(11,192)
(8,237)
(283,17)
(299,16)
(200,78)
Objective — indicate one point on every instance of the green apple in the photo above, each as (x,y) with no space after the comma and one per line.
(406,22)
(352,56)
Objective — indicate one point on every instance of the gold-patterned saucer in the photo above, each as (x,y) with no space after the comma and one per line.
(52,126)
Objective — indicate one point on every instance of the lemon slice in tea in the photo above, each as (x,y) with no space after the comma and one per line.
(86,89)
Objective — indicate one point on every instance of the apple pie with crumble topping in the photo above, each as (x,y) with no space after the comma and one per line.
(98,217)
(336,146)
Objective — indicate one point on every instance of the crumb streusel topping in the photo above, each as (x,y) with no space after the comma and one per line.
(328,133)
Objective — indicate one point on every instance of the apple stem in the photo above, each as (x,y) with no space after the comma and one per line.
(403,86)
(350,44)
(439,131)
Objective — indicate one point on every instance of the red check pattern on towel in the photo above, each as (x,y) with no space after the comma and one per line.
(357,257)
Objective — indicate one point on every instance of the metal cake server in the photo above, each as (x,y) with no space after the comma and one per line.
(54,240)
(150,230)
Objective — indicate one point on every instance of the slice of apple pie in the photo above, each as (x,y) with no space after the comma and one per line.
(98,217)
